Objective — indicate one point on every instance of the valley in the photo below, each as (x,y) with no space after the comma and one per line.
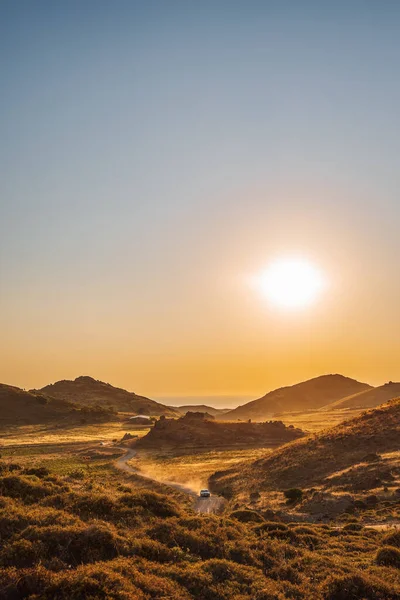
(107,508)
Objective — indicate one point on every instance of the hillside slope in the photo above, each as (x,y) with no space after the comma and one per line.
(18,407)
(193,430)
(310,394)
(369,398)
(309,461)
(87,391)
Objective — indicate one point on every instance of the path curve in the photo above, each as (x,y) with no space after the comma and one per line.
(214,504)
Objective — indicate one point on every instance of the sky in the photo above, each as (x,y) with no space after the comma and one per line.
(156,156)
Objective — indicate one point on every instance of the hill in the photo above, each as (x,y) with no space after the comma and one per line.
(18,407)
(307,395)
(86,391)
(370,398)
(309,461)
(202,408)
(196,430)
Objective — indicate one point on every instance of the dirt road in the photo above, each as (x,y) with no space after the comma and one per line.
(214,504)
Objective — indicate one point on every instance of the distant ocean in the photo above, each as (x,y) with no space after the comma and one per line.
(224,401)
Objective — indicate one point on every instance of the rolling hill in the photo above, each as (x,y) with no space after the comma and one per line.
(309,461)
(86,391)
(369,398)
(18,407)
(311,394)
(195,430)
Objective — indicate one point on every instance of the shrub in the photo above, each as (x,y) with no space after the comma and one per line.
(355,587)
(293,495)
(91,506)
(153,503)
(21,553)
(76,545)
(304,530)
(38,471)
(272,526)
(247,516)
(254,496)
(77,474)
(28,490)
(353,527)
(388,556)
(392,539)
(285,573)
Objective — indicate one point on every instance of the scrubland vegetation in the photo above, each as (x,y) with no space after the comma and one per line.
(79,532)
(294,525)
(319,460)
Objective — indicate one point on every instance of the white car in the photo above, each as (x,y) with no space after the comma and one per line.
(205,494)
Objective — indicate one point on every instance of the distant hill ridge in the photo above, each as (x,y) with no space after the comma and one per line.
(18,407)
(311,394)
(309,461)
(201,408)
(370,398)
(87,391)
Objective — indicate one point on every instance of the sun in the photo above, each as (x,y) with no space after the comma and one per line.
(291,283)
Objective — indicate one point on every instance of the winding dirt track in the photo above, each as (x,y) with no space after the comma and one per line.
(214,504)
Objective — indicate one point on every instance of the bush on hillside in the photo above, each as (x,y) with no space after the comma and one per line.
(392,539)
(156,504)
(355,587)
(293,495)
(247,516)
(388,556)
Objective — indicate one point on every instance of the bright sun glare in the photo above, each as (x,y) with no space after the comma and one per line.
(291,283)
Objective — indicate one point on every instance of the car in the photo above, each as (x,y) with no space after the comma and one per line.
(205,494)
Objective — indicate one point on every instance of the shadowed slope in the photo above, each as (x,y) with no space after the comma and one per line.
(310,394)
(18,407)
(196,430)
(310,460)
(370,398)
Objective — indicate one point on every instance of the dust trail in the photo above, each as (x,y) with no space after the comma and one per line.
(121,464)
(214,504)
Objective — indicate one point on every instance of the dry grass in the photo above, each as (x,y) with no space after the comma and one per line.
(314,421)
(353,468)
(53,434)
(190,470)
(100,536)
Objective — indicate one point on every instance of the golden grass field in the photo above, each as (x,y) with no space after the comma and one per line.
(190,470)
(45,434)
(314,421)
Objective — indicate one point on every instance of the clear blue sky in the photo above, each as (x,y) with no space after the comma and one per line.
(152,152)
